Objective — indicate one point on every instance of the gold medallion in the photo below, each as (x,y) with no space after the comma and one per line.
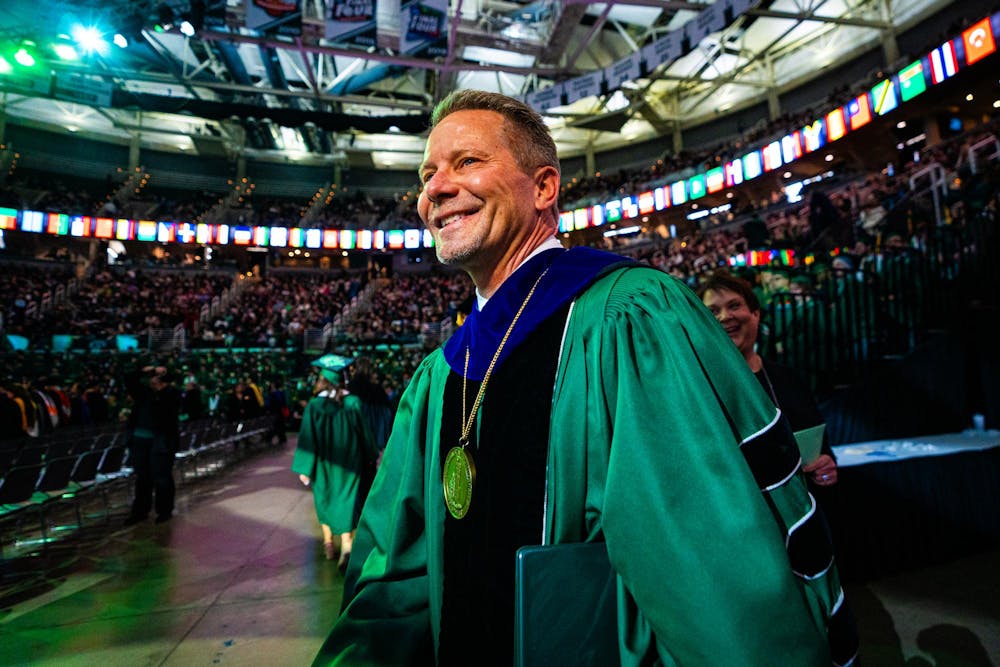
(459,475)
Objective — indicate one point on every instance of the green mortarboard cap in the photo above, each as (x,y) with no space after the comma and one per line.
(330,366)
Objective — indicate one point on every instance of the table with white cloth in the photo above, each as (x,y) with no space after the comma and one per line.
(914,501)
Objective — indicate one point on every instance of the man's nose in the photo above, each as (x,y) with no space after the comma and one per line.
(439,186)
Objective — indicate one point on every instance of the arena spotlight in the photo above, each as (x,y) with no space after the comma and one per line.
(24,57)
(65,51)
(89,39)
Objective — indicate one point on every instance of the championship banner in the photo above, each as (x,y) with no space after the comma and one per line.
(423,28)
(626,69)
(275,17)
(543,100)
(694,32)
(588,85)
(711,19)
(351,22)
(664,50)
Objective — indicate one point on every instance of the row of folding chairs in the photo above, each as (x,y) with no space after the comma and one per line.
(30,451)
(209,446)
(48,476)
(38,487)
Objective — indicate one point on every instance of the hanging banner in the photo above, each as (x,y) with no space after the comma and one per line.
(351,22)
(275,17)
(664,50)
(588,85)
(626,69)
(543,100)
(423,28)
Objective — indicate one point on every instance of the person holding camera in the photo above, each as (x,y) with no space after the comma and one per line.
(153,439)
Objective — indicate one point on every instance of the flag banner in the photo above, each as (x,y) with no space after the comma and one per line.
(543,100)
(423,28)
(351,22)
(626,69)
(944,65)
(588,85)
(912,81)
(664,50)
(275,17)
(978,41)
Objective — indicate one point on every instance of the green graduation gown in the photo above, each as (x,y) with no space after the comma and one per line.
(651,404)
(335,452)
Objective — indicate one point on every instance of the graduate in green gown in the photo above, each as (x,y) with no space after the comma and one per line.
(584,399)
(335,456)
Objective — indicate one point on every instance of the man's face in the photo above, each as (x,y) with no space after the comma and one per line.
(476,200)
(735,316)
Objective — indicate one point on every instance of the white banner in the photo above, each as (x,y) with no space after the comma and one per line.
(543,100)
(626,69)
(588,85)
(351,22)
(664,50)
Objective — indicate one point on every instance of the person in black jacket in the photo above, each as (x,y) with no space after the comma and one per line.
(153,440)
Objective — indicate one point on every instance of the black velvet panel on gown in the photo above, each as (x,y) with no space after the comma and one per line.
(477,617)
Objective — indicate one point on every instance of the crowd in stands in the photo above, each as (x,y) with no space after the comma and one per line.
(110,302)
(276,310)
(403,308)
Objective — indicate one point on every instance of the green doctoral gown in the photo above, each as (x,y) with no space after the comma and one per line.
(335,452)
(650,407)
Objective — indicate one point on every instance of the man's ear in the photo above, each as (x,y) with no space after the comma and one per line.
(546,187)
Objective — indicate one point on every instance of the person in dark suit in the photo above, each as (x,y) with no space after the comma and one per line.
(153,440)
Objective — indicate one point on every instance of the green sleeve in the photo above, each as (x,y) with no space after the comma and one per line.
(304,460)
(704,576)
(385,619)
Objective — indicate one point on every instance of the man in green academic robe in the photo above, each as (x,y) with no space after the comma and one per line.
(584,399)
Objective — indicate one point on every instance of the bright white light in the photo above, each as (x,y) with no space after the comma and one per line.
(24,58)
(89,39)
(616,102)
(788,174)
(120,40)
(969,97)
(829,157)
(901,124)
(187,29)
(65,51)
(996,104)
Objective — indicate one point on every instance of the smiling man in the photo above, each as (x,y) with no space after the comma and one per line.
(585,399)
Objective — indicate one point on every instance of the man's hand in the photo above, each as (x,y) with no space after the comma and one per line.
(304,479)
(822,471)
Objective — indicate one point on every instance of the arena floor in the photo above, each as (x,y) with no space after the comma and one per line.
(238,578)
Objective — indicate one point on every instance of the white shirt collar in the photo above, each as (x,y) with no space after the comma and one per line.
(550,243)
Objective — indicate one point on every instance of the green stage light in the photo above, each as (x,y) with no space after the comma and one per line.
(24,57)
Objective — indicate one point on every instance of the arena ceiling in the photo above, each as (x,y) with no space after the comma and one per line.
(305,99)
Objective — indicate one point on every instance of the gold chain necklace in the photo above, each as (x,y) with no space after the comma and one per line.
(459,469)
